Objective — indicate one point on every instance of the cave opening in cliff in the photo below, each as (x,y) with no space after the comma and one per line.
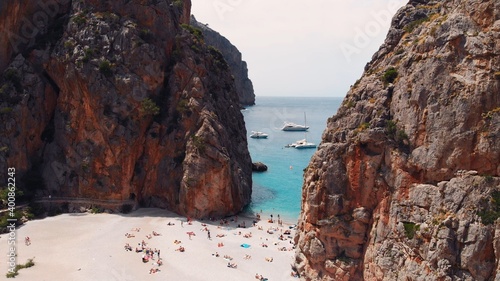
(33,181)
(49,131)
(131,196)
(53,34)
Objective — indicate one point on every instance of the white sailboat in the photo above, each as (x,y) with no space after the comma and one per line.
(301,144)
(289,126)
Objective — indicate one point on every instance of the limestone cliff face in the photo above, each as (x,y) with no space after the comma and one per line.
(405,184)
(122,100)
(238,67)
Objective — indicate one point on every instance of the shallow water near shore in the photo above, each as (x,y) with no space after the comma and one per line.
(279,190)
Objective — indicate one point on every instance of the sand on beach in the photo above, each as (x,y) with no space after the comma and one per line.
(91,247)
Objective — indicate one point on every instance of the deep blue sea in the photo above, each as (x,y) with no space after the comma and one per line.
(279,190)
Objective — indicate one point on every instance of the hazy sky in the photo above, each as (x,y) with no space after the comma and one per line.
(301,48)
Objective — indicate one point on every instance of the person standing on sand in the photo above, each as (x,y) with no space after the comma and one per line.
(208,232)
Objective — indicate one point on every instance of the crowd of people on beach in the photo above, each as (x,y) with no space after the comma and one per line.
(148,254)
(153,255)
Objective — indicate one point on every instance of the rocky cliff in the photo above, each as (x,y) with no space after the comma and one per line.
(405,184)
(244,86)
(120,100)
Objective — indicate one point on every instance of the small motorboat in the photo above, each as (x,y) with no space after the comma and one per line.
(258,135)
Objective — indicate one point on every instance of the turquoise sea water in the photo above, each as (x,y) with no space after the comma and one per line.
(279,190)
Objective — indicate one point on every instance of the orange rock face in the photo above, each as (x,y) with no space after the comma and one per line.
(127,105)
(405,183)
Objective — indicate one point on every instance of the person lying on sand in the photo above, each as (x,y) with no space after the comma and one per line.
(232,265)
(136,229)
(248,235)
(128,235)
(149,236)
(128,247)
(269,259)
(220,244)
(170,223)
(159,262)
(153,270)
(260,277)
(180,249)
(221,235)
(177,241)
(190,233)
(247,257)
(156,233)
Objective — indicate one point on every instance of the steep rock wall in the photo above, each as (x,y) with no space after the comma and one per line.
(122,103)
(238,67)
(405,184)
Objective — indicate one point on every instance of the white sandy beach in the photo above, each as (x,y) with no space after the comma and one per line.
(74,247)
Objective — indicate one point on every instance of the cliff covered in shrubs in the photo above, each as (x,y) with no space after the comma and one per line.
(405,184)
(120,101)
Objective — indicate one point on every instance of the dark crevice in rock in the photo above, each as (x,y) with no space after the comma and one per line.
(51,82)
(49,131)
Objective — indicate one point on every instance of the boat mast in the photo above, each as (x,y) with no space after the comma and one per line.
(305,126)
